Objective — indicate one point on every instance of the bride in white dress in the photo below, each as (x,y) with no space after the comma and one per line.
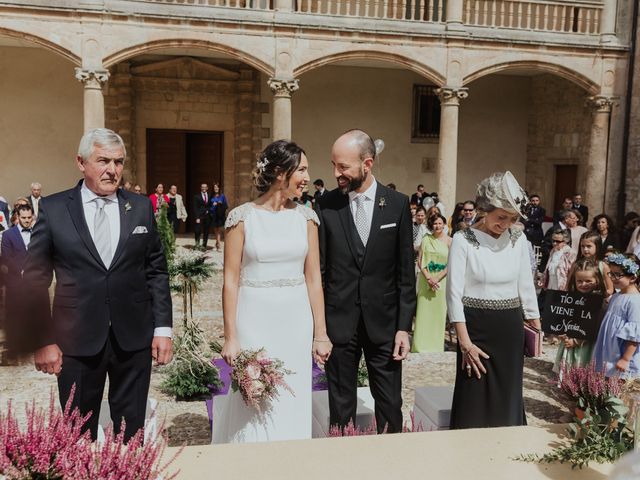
(272,297)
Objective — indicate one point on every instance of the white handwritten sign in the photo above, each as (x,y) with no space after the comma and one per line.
(573,314)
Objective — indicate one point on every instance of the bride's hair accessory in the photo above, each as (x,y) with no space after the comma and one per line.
(502,190)
(261,165)
(627,263)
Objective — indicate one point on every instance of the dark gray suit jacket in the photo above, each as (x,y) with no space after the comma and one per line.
(376,284)
(132,296)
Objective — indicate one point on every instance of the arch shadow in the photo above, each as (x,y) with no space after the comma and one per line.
(149,47)
(555,69)
(420,68)
(42,42)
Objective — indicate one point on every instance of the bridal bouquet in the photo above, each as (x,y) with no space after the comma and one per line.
(258,377)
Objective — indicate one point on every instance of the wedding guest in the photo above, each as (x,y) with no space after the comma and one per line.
(567,204)
(5,216)
(489,286)
(431,313)
(582,209)
(34,198)
(111,310)
(609,240)
(13,255)
(585,278)
(127,186)
(14,213)
(616,351)
(218,211)
(560,261)
(533,224)
(391,186)
(318,185)
(589,250)
(571,219)
(456,218)
(176,212)
(631,221)
(431,199)
(469,212)
(158,198)
(137,189)
(418,196)
(202,214)
(420,228)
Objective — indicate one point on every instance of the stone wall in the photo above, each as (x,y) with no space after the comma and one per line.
(559,134)
(633,151)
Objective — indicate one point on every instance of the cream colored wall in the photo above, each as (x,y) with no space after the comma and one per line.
(41,121)
(334,99)
(492,134)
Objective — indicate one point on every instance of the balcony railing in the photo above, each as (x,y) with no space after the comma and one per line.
(579,17)
(566,17)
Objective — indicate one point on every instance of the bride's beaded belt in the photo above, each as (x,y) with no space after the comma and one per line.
(491,304)
(278,282)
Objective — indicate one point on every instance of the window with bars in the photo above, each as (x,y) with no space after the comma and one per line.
(425,125)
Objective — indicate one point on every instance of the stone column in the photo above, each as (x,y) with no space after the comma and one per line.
(282,90)
(93,99)
(608,21)
(448,147)
(454,16)
(596,170)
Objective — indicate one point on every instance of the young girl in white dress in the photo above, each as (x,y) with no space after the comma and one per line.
(272,297)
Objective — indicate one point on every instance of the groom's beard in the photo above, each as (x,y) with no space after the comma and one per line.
(353,183)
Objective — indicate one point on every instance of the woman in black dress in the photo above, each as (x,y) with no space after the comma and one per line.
(489,287)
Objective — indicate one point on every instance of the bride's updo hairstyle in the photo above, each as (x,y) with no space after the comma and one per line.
(278,157)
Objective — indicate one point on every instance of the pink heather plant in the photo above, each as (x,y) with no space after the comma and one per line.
(352,430)
(589,384)
(258,378)
(52,447)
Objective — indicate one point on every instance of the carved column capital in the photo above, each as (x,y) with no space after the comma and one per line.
(92,78)
(452,95)
(601,103)
(283,88)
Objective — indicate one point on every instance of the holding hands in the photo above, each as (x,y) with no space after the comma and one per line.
(322,350)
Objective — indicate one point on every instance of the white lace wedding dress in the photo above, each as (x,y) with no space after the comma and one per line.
(274,313)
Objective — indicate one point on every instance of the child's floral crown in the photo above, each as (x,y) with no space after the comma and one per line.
(628,265)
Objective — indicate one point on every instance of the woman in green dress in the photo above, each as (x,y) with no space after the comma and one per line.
(431,314)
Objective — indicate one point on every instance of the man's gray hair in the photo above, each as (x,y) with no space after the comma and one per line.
(101,137)
(36,185)
(565,213)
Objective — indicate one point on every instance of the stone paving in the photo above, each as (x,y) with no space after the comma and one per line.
(187,422)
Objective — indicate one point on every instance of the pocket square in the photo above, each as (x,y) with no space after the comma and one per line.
(388,225)
(139,229)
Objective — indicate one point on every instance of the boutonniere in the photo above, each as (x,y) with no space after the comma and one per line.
(382,203)
(127,207)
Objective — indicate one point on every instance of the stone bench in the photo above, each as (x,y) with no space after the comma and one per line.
(320,408)
(432,407)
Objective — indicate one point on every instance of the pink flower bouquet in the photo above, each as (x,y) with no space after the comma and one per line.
(258,378)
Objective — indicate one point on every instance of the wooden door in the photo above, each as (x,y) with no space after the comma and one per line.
(566,181)
(166,160)
(204,162)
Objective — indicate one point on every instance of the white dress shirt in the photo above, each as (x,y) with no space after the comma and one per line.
(36,205)
(26,236)
(370,198)
(112,211)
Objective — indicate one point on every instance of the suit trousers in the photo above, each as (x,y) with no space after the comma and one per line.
(385,381)
(202,228)
(129,377)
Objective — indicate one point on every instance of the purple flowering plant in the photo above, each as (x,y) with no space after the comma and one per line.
(53,446)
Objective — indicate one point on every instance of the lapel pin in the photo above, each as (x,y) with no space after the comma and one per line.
(382,203)
(127,207)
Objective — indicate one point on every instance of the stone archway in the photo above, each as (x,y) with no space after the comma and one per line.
(42,42)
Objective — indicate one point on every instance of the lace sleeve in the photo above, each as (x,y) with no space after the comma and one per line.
(309,214)
(237,215)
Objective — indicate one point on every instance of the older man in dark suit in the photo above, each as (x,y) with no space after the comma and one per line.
(366,258)
(112,306)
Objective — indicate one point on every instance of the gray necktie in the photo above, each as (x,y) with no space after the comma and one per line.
(102,231)
(362,225)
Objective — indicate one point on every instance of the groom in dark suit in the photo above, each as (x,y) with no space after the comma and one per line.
(112,306)
(366,256)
